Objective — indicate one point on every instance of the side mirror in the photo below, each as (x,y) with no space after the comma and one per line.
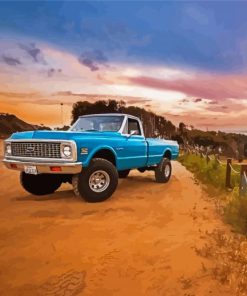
(132,133)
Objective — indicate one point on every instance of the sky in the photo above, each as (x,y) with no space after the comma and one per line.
(184,60)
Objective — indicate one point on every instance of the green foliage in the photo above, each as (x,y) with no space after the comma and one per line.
(152,123)
(235,211)
(235,207)
(211,173)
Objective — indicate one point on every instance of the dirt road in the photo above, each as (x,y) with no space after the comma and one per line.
(140,242)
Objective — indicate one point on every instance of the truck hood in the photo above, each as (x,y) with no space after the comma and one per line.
(61,135)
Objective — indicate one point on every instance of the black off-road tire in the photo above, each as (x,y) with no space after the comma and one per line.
(41,184)
(163,171)
(81,185)
(123,174)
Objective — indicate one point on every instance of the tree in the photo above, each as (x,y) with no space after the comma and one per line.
(152,123)
(181,128)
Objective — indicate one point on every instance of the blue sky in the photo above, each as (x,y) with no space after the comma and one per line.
(201,35)
(182,56)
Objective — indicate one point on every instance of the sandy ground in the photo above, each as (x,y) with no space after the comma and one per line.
(142,241)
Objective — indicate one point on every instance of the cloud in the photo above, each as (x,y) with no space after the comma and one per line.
(35,61)
(185,101)
(138,101)
(65,93)
(51,72)
(66,97)
(34,52)
(213,87)
(11,61)
(228,106)
(35,98)
(19,95)
(94,97)
(88,63)
(190,100)
(213,102)
(93,59)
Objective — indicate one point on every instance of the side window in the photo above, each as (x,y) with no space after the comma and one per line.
(133,125)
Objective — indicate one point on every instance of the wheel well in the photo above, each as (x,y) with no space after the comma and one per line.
(106,154)
(168,154)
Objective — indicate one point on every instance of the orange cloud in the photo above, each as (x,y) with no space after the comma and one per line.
(39,108)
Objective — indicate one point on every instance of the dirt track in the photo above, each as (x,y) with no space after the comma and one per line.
(140,242)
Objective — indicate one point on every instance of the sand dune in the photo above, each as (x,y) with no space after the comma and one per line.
(140,242)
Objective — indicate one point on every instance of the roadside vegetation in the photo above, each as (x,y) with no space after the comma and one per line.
(232,206)
(235,211)
(211,173)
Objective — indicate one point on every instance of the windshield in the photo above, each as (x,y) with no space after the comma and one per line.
(98,123)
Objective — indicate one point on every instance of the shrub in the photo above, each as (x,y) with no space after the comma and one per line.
(210,173)
(235,207)
(235,211)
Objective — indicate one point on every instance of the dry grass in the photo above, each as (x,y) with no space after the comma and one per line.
(229,254)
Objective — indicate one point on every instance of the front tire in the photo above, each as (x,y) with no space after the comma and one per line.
(97,182)
(163,171)
(40,184)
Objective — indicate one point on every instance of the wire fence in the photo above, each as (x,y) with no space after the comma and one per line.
(241,171)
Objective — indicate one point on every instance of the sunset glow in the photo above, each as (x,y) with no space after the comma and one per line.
(193,70)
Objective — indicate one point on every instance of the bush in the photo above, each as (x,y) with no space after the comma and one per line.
(235,211)
(210,173)
(235,207)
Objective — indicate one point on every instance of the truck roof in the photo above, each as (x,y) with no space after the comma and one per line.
(110,114)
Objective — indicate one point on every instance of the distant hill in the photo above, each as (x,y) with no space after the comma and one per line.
(9,124)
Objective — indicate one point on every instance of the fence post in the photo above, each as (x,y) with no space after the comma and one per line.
(228,173)
(243,183)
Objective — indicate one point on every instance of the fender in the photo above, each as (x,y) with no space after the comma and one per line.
(167,150)
(97,149)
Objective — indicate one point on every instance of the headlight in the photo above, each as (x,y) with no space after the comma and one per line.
(8,150)
(66,151)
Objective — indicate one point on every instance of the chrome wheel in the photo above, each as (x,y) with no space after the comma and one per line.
(99,181)
(167,171)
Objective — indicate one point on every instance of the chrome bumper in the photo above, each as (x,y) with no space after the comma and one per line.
(45,167)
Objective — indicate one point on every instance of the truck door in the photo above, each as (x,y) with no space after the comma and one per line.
(134,153)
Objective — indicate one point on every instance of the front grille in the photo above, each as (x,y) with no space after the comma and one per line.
(36,149)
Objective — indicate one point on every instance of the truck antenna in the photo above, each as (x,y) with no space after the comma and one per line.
(61,104)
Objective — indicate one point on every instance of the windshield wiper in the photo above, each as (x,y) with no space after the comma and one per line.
(91,130)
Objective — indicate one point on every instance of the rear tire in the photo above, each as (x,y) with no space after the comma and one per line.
(40,184)
(123,174)
(163,171)
(97,182)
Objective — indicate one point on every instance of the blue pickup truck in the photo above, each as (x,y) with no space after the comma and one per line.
(96,151)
